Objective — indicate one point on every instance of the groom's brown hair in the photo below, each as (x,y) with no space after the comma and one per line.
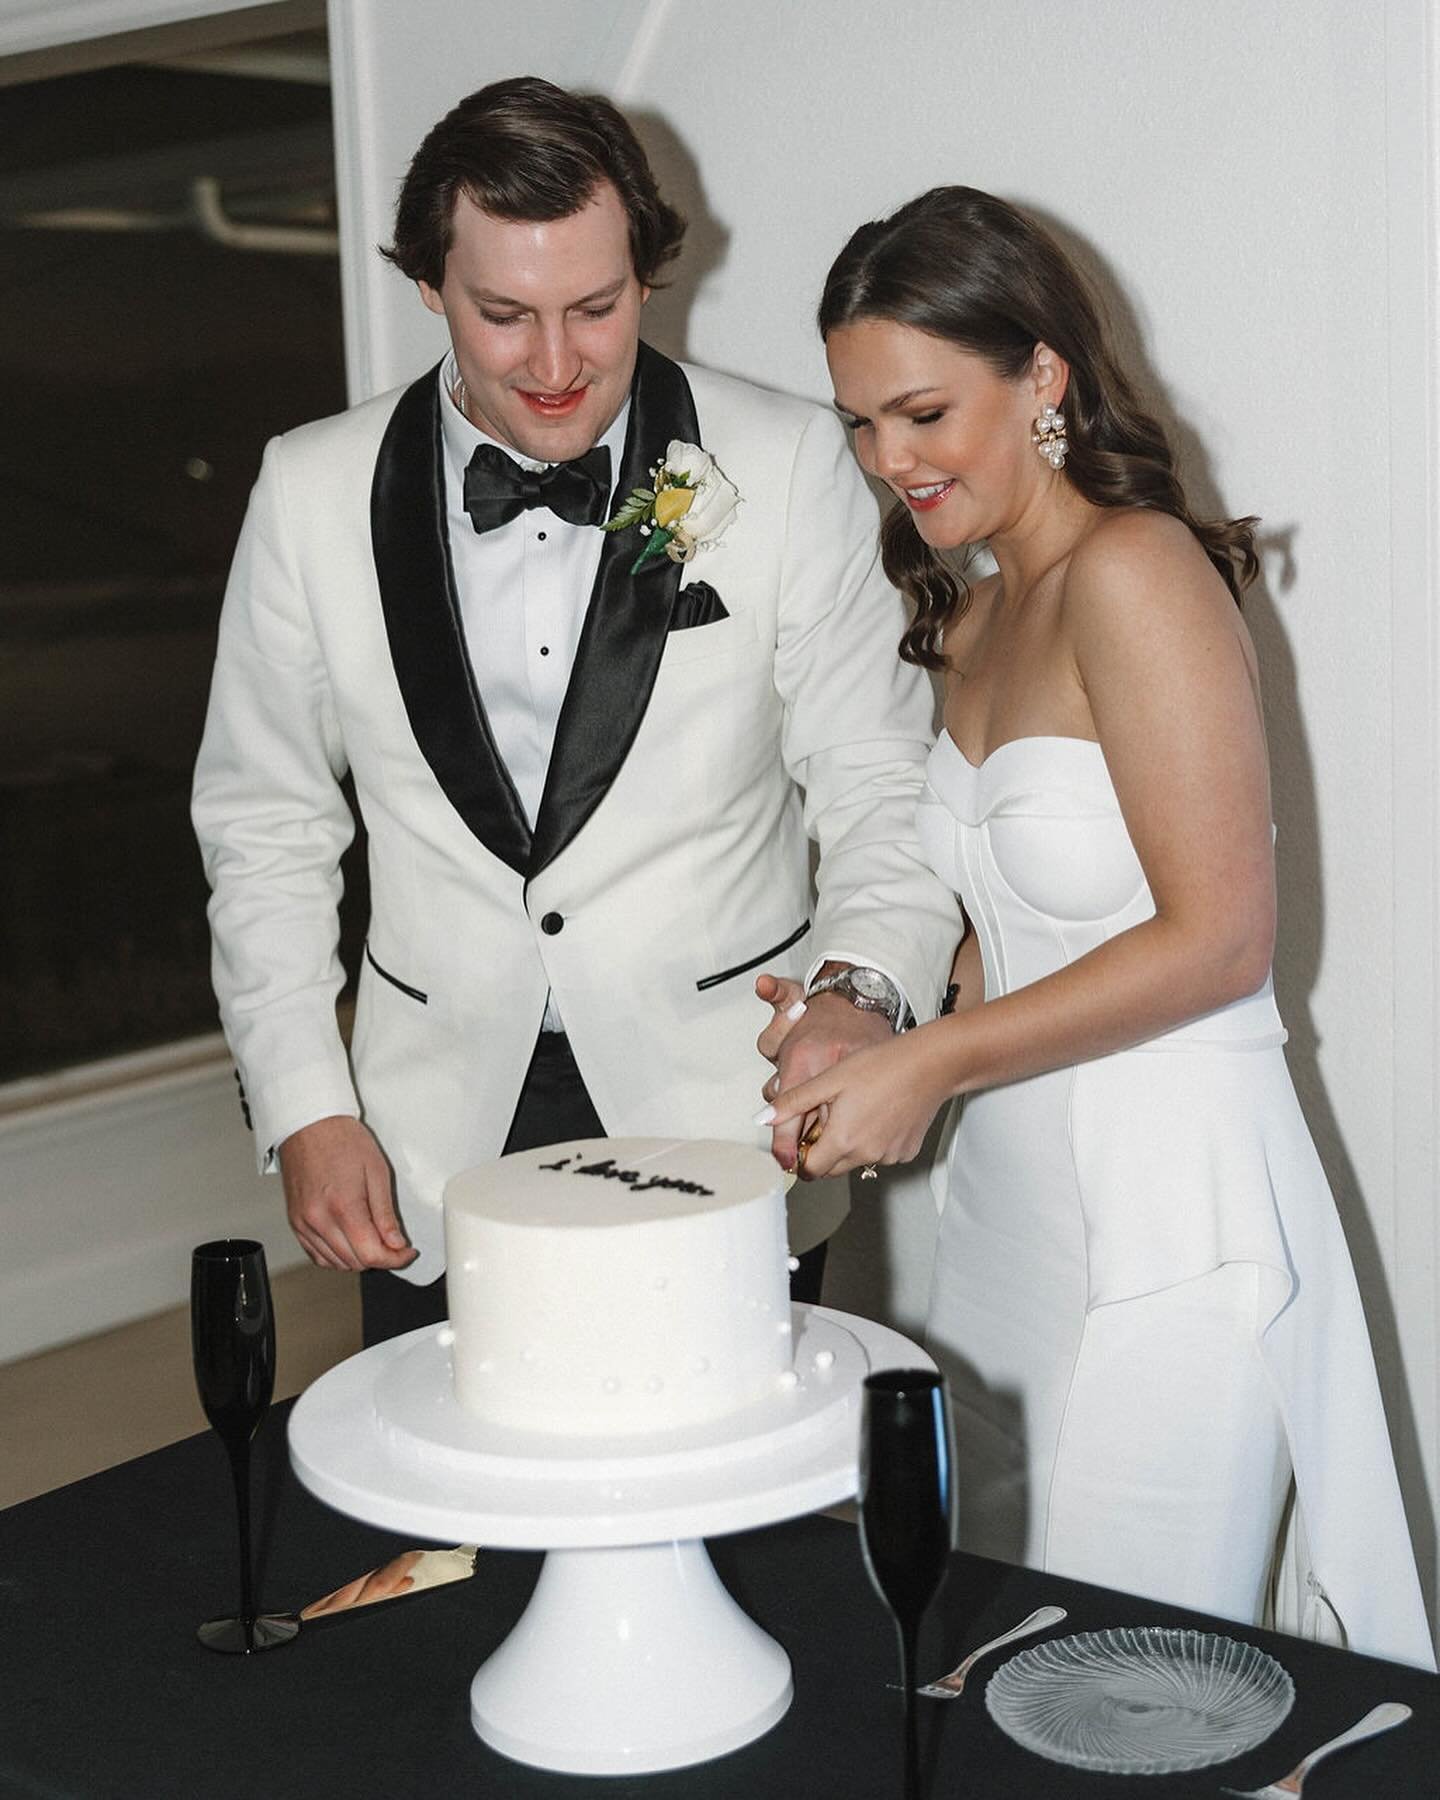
(526,149)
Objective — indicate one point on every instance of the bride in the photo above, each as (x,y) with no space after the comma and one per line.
(1141,1294)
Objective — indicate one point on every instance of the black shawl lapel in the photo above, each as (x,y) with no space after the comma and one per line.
(422,621)
(625,626)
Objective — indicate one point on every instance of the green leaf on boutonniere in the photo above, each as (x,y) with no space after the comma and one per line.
(654,546)
(632,510)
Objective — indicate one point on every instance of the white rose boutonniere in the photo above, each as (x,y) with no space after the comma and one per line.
(686,511)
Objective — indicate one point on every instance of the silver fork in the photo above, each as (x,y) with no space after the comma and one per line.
(1380,1718)
(951,1686)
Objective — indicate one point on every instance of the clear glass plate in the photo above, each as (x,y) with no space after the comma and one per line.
(1140,1700)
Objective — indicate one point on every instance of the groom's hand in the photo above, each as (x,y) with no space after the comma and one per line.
(829,1030)
(340,1197)
(786,1000)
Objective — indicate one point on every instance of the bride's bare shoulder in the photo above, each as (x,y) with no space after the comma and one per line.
(1127,539)
(1137,566)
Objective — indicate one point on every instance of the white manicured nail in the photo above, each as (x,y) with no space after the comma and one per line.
(797,1011)
(765,1116)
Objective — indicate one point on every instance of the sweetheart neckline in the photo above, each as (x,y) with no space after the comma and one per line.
(1033,737)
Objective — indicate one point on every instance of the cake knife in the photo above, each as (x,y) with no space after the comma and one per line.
(411,1572)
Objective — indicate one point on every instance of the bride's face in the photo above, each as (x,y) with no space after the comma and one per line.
(939,426)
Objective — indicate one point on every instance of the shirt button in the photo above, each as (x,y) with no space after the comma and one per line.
(540,536)
(552,923)
(544,649)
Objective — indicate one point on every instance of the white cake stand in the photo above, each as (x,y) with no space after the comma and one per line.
(631,1656)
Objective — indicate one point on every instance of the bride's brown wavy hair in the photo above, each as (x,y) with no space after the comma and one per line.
(961,265)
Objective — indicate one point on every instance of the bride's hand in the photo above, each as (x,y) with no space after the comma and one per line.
(879,1104)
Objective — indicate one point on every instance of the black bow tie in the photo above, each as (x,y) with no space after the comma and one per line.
(497,488)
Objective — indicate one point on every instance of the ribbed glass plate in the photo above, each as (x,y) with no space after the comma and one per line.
(1140,1700)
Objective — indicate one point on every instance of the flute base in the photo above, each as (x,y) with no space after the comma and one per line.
(268,1631)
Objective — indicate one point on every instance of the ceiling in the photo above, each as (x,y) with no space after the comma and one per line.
(122,148)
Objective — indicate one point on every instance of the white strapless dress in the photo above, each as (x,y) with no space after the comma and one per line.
(1142,1296)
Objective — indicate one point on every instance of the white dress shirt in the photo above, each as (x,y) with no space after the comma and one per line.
(524,589)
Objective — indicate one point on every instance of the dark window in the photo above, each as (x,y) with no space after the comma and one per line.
(143,364)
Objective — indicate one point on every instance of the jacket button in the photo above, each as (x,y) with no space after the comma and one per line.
(551,923)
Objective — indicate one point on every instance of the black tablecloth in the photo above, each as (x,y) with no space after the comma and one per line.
(106,1695)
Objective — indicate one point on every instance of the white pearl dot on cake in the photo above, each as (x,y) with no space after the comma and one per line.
(653,1384)
(527,1355)
(661,1283)
(702,1365)
(824,1359)
(470,1264)
(610,1385)
(783,1328)
(788,1379)
(445,1337)
(792,1263)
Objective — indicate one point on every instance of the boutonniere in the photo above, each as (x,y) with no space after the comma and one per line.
(689,507)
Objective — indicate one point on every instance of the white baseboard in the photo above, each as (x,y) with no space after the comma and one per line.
(108,1178)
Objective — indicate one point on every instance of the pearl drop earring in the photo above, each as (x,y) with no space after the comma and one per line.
(1049,438)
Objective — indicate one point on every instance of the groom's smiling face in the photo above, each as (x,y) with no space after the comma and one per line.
(544,317)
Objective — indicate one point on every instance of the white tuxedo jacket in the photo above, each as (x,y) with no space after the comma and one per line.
(719,715)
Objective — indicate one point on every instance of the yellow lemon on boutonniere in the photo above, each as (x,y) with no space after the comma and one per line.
(672,504)
(688,487)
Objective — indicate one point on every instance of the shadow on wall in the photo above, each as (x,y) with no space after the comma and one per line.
(707,239)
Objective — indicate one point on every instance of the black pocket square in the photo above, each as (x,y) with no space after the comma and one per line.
(697,604)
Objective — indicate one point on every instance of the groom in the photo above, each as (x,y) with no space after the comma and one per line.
(587,760)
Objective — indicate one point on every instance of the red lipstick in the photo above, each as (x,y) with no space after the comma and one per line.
(930,502)
(553,406)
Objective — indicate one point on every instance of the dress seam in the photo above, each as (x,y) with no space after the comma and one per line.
(1084,1324)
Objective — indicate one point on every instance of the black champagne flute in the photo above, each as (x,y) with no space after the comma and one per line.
(907,1510)
(232,1340)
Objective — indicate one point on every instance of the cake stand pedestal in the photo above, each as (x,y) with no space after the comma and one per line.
(631,1656)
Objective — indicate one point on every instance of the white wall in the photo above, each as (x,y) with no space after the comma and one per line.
(1252,182)
(110,1177)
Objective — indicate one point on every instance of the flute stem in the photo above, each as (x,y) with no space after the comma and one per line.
(240,1471)
(907,1679)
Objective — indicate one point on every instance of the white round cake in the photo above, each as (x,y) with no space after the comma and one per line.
(618,1286)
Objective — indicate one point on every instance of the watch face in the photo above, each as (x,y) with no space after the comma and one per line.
(870,984)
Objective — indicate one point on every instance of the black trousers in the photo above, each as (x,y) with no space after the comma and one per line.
(553,1107)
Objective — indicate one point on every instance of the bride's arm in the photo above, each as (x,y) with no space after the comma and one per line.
(1166,668)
